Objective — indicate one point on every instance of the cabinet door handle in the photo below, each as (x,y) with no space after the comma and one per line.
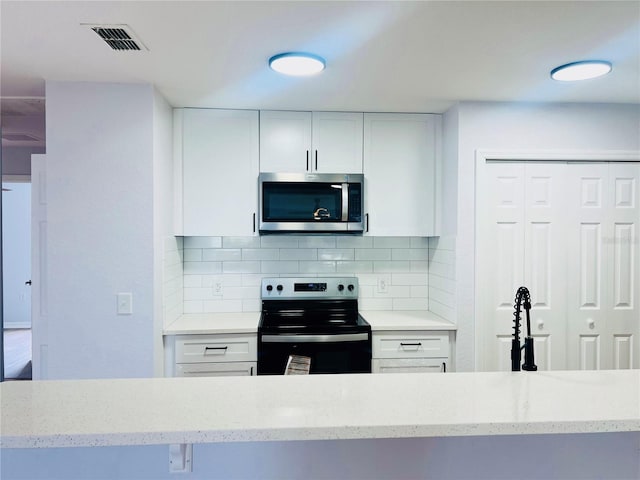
(224,349)
(307,160)
(254,223)
(444,367)
(410,344)
(316,160)
(366,221)
(251,372)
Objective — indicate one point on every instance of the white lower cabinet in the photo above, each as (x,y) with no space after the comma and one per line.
(221,369)
(411,351)
(212,355)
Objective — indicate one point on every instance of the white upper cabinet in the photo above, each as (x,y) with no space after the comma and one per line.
(337,142)
(216,157)
(323,142)
(401,168)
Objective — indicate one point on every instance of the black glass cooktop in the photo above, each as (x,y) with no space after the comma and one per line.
(303,316)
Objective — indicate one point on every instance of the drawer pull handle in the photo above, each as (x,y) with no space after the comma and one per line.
(419,344)
(224,349)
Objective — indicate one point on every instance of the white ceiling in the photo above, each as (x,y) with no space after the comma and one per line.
(381,56)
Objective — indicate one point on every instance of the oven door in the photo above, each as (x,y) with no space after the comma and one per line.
(333,353)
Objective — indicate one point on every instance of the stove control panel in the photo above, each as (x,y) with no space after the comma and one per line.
(287,288)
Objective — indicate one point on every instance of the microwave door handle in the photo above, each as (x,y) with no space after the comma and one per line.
(345,202)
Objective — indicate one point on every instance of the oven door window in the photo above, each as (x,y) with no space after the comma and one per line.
(326,357)
(302,202)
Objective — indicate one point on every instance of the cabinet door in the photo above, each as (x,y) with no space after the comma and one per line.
(412,365)
(400,156)
(216,348)
(410,345)
(337,142)
(219,172)
(285,141)
(223,369)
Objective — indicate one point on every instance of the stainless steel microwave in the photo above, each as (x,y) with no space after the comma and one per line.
(311,202)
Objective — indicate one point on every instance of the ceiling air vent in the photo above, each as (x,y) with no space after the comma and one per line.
(119,37)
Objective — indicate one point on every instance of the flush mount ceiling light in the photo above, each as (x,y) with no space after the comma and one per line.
(584,70)
(297,63)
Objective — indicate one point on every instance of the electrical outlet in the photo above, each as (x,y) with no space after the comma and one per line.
(217,288)
(124,303)
(383,285)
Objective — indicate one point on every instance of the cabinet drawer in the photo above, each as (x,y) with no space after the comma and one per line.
(220,369)
(411,345)
(212,348)
(409,365)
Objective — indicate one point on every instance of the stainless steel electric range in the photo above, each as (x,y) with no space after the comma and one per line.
(316,318)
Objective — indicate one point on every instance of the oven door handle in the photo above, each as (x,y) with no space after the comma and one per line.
(344,337)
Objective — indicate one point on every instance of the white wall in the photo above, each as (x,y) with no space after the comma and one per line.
(450,137)
(162,216)
(100,182)
(518,127)
(523,457)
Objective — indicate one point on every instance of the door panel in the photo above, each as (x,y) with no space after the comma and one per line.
(623,351)
(544,259)
(589,352)
(587,192)
(623,315)
(500,257)
(590,264)
(542,349)
(623,235)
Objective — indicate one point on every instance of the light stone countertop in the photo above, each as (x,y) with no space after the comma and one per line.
(149,411)
(247,322)
(405,320)
(214,323)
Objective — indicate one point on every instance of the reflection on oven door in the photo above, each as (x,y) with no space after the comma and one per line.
(326,357)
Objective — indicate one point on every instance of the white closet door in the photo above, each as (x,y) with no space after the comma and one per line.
(623,322)
(603,288)
(521,242)
(545,272)
(500,257)
(570,234)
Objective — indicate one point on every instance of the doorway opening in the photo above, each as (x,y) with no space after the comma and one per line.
(16,279)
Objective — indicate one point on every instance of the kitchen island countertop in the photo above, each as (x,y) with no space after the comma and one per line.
(148,411)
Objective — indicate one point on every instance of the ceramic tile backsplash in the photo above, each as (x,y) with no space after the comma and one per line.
(442,277)
(173,279)
(395,273)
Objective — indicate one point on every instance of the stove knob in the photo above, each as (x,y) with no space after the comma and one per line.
(340,287)
(279,288)
(351,287)
(269,288)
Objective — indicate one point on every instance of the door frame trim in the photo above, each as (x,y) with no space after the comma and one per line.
(482,157)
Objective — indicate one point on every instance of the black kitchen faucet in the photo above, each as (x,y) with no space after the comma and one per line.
(528,365)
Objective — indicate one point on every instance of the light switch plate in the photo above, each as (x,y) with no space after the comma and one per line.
(124,303)
(383,285)
(181,458)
